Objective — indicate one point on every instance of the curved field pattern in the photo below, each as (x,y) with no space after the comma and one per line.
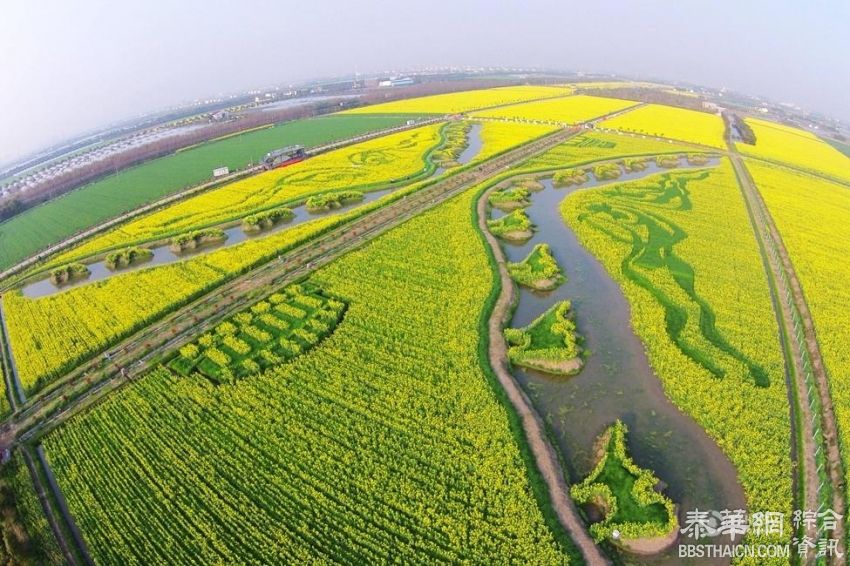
(383,443)
(635,217)
(681,247)
(367,165)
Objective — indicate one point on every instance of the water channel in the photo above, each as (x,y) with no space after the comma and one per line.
(162,254)
(617,381)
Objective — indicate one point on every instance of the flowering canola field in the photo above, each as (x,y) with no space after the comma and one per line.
(796,147)
(466,101)
(813,218)
(674,123)
(571,110)
(384,443)
(682,249)
(497,137)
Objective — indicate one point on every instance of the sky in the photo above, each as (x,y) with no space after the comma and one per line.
(70,67)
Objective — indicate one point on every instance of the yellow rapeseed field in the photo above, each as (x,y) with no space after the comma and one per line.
(571,109)
(593,146)
(466,101)
(674,123)
(813,218)
(379,161)
(386,442)
(497,137)
(796,147)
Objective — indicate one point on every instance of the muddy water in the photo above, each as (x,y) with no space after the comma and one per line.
(617,381)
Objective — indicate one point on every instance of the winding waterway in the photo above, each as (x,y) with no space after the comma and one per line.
(617,381)
(162,254)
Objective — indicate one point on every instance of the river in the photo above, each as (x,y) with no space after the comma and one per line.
(617,381)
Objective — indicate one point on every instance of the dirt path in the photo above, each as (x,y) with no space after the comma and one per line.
(542,450)
(13,382)
(48,510)
(810,380)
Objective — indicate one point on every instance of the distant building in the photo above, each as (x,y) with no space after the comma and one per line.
(395,81)
(220,172)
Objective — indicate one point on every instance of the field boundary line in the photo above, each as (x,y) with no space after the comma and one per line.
(130,355)
(808,360)
(41,494)
(808,478)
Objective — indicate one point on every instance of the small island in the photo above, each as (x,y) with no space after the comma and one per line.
(127,257)
(193,240)
(636,516)
(267,219)
(635,164)
(515,226)
(549,344)
(328,201)
(510,198)
(69,273)
(456,140)
(538,271)
(569,177)
(607,171)
(668,161)
(531,184)
(698,158)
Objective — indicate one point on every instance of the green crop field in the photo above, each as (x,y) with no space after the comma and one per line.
(49,223)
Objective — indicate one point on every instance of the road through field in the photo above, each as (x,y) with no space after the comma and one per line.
(136,354)
(823,473)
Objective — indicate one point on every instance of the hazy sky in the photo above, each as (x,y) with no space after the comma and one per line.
(70,66)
